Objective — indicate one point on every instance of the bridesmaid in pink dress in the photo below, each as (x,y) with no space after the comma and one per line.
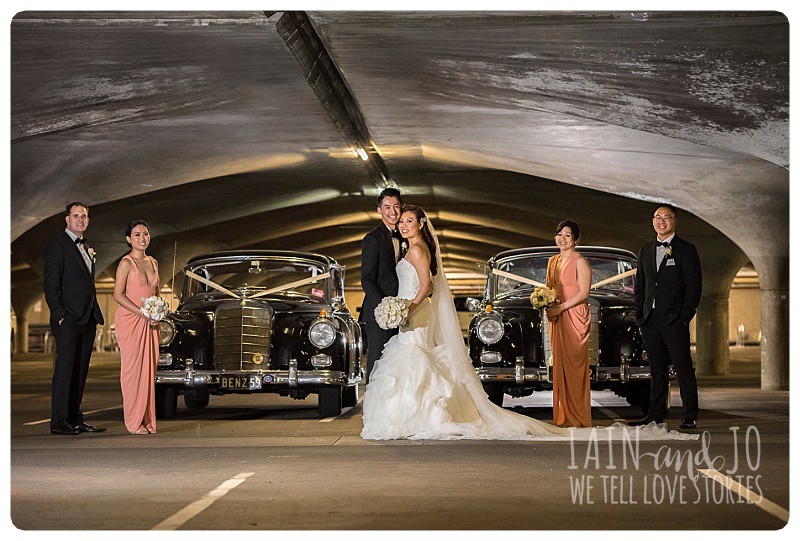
(569,274)
(137,277)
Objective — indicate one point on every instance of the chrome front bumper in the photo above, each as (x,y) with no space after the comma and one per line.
(269,378)
(521,374)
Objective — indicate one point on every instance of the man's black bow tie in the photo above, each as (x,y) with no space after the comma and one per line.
(664,244)
(396,234)
(80,241)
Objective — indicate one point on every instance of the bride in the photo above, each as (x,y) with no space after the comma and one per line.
(424,386)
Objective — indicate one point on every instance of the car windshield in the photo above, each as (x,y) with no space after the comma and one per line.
(534,267)
(256,275)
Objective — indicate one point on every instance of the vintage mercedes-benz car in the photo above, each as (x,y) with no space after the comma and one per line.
(260,322)
(509,342)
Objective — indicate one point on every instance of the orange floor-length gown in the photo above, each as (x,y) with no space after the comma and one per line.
(569,343)
(138,346)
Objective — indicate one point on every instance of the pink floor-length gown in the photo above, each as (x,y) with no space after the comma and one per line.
(138,345)
(569,342)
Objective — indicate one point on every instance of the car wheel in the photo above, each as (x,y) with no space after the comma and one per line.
(330,401)
(166,402)
(495,393)
(350,396)
(196,400)
(639,395)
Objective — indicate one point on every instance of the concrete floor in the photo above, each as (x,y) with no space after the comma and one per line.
(298,472)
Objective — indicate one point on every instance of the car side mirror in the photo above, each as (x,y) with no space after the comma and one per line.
(473,304)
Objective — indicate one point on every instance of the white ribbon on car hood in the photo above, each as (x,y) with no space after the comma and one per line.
(614,278)
(524,280)
(297,283)
(517,277)
(211,284)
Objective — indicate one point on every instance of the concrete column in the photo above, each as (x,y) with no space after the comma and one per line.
(773,276)
(22,299)
(713,351)
(720,260)
(21,336)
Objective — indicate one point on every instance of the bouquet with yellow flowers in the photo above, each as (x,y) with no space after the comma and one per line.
(542,297)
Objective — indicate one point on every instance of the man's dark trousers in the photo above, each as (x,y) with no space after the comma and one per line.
(74,345)
(664,342)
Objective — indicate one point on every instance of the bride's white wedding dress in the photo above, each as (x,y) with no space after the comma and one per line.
(417,391)
(424,386)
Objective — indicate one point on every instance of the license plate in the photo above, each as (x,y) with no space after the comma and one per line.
(238,383)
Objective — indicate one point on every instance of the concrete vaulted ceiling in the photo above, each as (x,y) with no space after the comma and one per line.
(231,130)
(239,130)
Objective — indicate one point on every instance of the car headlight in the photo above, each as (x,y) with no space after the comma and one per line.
(490,330)
(166,332)
(322,333)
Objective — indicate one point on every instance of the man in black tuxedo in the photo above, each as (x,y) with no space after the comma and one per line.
(668,287)
(380,252)
(74,315)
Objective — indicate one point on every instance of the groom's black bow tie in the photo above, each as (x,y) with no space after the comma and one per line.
(664,244)
(396,234)
(80,241)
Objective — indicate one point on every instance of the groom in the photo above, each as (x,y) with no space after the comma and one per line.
(74,315)
(667,292)
(380,252)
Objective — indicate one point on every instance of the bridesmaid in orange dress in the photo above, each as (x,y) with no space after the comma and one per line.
(137,277)
(569,275)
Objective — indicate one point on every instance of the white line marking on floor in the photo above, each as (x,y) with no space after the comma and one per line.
(607,412)
(760,501)
(28,396)
(195,508)
(84,413)
(329,419)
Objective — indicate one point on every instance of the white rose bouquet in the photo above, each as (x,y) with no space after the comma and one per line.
(542,297)
(391,313)
(155,308)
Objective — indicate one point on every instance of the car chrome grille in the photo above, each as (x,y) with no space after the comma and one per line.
(242,331)
(548,352)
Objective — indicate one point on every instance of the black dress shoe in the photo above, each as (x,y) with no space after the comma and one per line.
(689,423)
(645,421)
(64,428)
(83,427)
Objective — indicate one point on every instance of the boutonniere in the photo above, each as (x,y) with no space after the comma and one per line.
(668,251)
(403,245)
(92,254)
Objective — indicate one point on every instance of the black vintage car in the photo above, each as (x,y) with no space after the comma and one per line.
(509,342)
(260,322)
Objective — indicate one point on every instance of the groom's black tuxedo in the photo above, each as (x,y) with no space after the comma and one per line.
(68,284)
(378,280)
(675,288)
(74,315)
